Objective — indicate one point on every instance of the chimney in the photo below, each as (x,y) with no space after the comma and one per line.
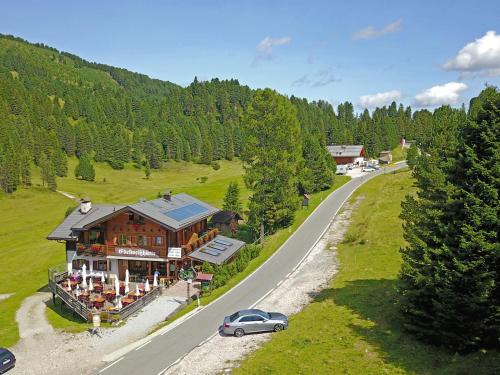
(85,205)
(167,196)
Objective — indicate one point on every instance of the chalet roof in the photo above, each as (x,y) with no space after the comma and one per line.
(218,250)
(345,150)
(77,221)
(180,211)
(225,217)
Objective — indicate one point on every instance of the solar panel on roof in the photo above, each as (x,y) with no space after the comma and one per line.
(217,247)
(210,252)
(223,242)
(186,212)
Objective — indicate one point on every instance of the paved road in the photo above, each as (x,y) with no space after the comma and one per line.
(164,350)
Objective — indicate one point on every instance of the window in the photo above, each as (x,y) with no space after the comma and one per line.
(78,263)
(158,240)
(122,239)
(142,241)
(100,265)
(233,317)
(252,318)
(94,236)
(131,217)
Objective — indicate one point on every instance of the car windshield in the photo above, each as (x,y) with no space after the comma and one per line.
(233,317)
(4,356)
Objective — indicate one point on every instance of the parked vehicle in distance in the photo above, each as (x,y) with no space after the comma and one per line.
(368,169)
(341,169)
(374,166)
(350,167)
(7,360)
(253,320)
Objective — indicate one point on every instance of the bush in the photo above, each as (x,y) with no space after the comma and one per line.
(203,179)
(224,272)
(216,165)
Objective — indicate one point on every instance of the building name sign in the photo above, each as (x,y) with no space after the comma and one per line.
(136,252)
(175,252)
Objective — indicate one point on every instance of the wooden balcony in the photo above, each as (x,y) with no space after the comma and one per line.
(143,251)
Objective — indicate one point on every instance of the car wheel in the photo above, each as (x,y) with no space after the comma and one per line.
(239,332)
(278,327)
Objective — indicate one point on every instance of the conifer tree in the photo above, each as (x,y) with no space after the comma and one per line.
(271,159)
(449,279)
(47,172)
(147,169)
(232,198)
(84,169)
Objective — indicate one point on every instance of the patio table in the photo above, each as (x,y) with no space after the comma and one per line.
(135,296)
(97,302)
(127,301)
(109,294)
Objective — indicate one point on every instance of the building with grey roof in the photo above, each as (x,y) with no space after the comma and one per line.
(347,154)
(162,235)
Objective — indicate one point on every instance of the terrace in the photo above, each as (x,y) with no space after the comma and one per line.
(92,294)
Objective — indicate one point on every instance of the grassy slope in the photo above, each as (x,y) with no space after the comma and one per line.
(29,215)
(353,327)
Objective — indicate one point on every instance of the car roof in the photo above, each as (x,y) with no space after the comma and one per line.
(3,350)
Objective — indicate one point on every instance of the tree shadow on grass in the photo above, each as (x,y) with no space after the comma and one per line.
(376,301)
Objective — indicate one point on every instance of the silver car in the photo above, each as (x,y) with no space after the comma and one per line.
(253,320)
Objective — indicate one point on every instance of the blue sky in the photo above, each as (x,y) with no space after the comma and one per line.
(367,52)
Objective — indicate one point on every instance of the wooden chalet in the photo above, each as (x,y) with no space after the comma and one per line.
(347,154)
(163,235)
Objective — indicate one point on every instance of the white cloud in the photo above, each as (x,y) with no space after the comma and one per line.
(371,32)
(481,56)
(379,99)
(304,80)
(266,45)
(441,94)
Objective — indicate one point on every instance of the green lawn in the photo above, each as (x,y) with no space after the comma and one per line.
(29,215)
(271,244)
(398,154)
(353,327)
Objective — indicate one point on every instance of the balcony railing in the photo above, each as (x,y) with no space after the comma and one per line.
(161,251)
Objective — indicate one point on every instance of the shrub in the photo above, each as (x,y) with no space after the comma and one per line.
(216,165)
(203,179)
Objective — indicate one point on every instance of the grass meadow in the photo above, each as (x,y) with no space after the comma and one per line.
(29,215)
(353,326)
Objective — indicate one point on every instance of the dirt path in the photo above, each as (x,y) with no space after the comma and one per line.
(5,296)
(43,350)
(220,354)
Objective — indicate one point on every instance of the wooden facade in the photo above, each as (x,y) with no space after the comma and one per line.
(130,241)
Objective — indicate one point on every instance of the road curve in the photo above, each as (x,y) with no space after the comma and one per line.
(164,350)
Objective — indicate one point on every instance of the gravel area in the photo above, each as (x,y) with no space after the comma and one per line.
(221,353)
(43,350)
(5,296)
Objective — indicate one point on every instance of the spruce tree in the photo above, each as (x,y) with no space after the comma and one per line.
(450,282)
(147,170)
(47,172)
(271,159)
(232,198)
(84,169)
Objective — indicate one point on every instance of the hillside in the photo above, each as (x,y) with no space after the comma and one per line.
(56,105)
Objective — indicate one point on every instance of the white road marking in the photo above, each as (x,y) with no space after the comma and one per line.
(280,282)
(143,345)
(108,366)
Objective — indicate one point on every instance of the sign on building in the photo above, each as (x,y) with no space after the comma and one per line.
(175,252)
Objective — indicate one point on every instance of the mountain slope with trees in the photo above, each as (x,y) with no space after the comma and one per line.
(57,104)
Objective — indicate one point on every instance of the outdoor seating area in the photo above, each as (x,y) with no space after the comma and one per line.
(97,293)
